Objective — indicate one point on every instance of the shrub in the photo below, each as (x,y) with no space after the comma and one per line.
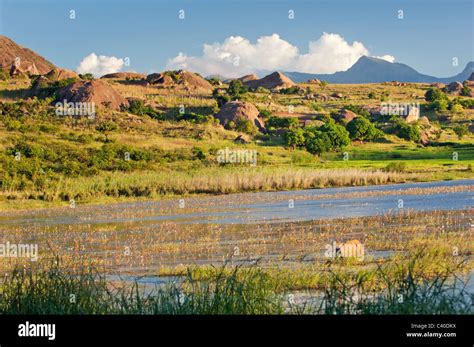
(466,91)
(236,89)
(358,110)
(290,90)
(265,114)
(214,81)
(4,76)
(315,106)
(139,108)
(406,131)
(262,90)
(106,127)
(361,128)
(337,134)
(461,131)
(195,118)
(433,94)
(295,138)
(281,122)
(319,143)
(439,105)
(198,153)
(87,76)
(245,126)
(396,166)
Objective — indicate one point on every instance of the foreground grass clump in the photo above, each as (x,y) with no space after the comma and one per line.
(401,286)
(54,290)
(414,286)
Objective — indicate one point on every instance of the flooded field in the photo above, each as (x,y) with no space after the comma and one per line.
(289,229)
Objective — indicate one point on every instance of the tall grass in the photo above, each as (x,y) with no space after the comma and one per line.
(401,288)
(213,180)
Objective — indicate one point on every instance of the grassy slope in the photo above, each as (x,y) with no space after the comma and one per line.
(175,170)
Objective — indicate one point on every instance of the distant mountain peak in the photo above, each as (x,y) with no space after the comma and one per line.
(375,70)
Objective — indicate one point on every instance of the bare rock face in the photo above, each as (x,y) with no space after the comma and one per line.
(97,92)
(58,74)
(438,85)
(314,81)
(38,84)
(235,110)
(125,75)
(275,81)
(17,59)
(455,88)
(179,79)
(424,121)
(413,115)
(242,139)
(247,78)
(346,116)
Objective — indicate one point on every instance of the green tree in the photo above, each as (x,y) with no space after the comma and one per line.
(337,134)
(406,131)
(245,126)
(461,131)
(106,127)
(236,89)
(319,143)
(361,128)
(295,138)
(433,94)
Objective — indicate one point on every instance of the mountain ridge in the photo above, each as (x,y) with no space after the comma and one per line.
(374,70)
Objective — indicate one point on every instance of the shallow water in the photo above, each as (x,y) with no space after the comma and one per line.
(327,203)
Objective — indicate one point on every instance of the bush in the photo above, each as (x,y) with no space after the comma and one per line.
(262,90)
(327,137)
(434,94)
(198,153)
(106,127)
(337,134)
(245,126)
(290,90)
(265,114)
(406,131)
(281,122)
(397,166)
(236,89)
(4,76)
(214,81)
(361,128)
(461,131)
(195,118)
(439,105)
(295,138)
(315,106)
(139,108)
(87,76)
(319,143)
(358,110)
(466,91)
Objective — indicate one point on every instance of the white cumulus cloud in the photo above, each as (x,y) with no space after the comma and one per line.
(100,65)
(387,57)
(237,56)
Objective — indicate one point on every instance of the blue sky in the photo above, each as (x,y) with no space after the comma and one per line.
(150,33)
